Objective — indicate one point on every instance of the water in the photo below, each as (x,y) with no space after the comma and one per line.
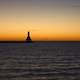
(40,61)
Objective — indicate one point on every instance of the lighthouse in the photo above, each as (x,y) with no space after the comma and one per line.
(28,38)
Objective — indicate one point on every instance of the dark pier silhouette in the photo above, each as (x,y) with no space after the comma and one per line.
(28,38)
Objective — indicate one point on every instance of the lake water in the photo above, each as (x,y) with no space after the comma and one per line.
(40,61)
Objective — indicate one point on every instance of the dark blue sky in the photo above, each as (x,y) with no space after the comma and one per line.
(43,2)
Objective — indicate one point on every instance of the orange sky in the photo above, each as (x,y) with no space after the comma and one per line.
(45,19)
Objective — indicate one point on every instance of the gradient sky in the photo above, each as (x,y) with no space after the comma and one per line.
(45,19)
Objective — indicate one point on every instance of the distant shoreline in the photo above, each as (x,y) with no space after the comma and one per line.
(34,41)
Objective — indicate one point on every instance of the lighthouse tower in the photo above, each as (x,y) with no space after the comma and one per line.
(28,38)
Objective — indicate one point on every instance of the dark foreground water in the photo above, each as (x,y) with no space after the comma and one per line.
(40,61)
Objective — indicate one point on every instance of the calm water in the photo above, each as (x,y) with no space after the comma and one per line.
(40,61)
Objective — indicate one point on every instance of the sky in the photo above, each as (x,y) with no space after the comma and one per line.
(46,20)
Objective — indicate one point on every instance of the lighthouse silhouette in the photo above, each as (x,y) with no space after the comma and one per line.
(28,38)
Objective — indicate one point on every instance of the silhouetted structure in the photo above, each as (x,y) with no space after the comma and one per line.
(28,38)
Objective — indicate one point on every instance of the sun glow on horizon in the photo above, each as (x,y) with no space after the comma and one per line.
(47,20)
